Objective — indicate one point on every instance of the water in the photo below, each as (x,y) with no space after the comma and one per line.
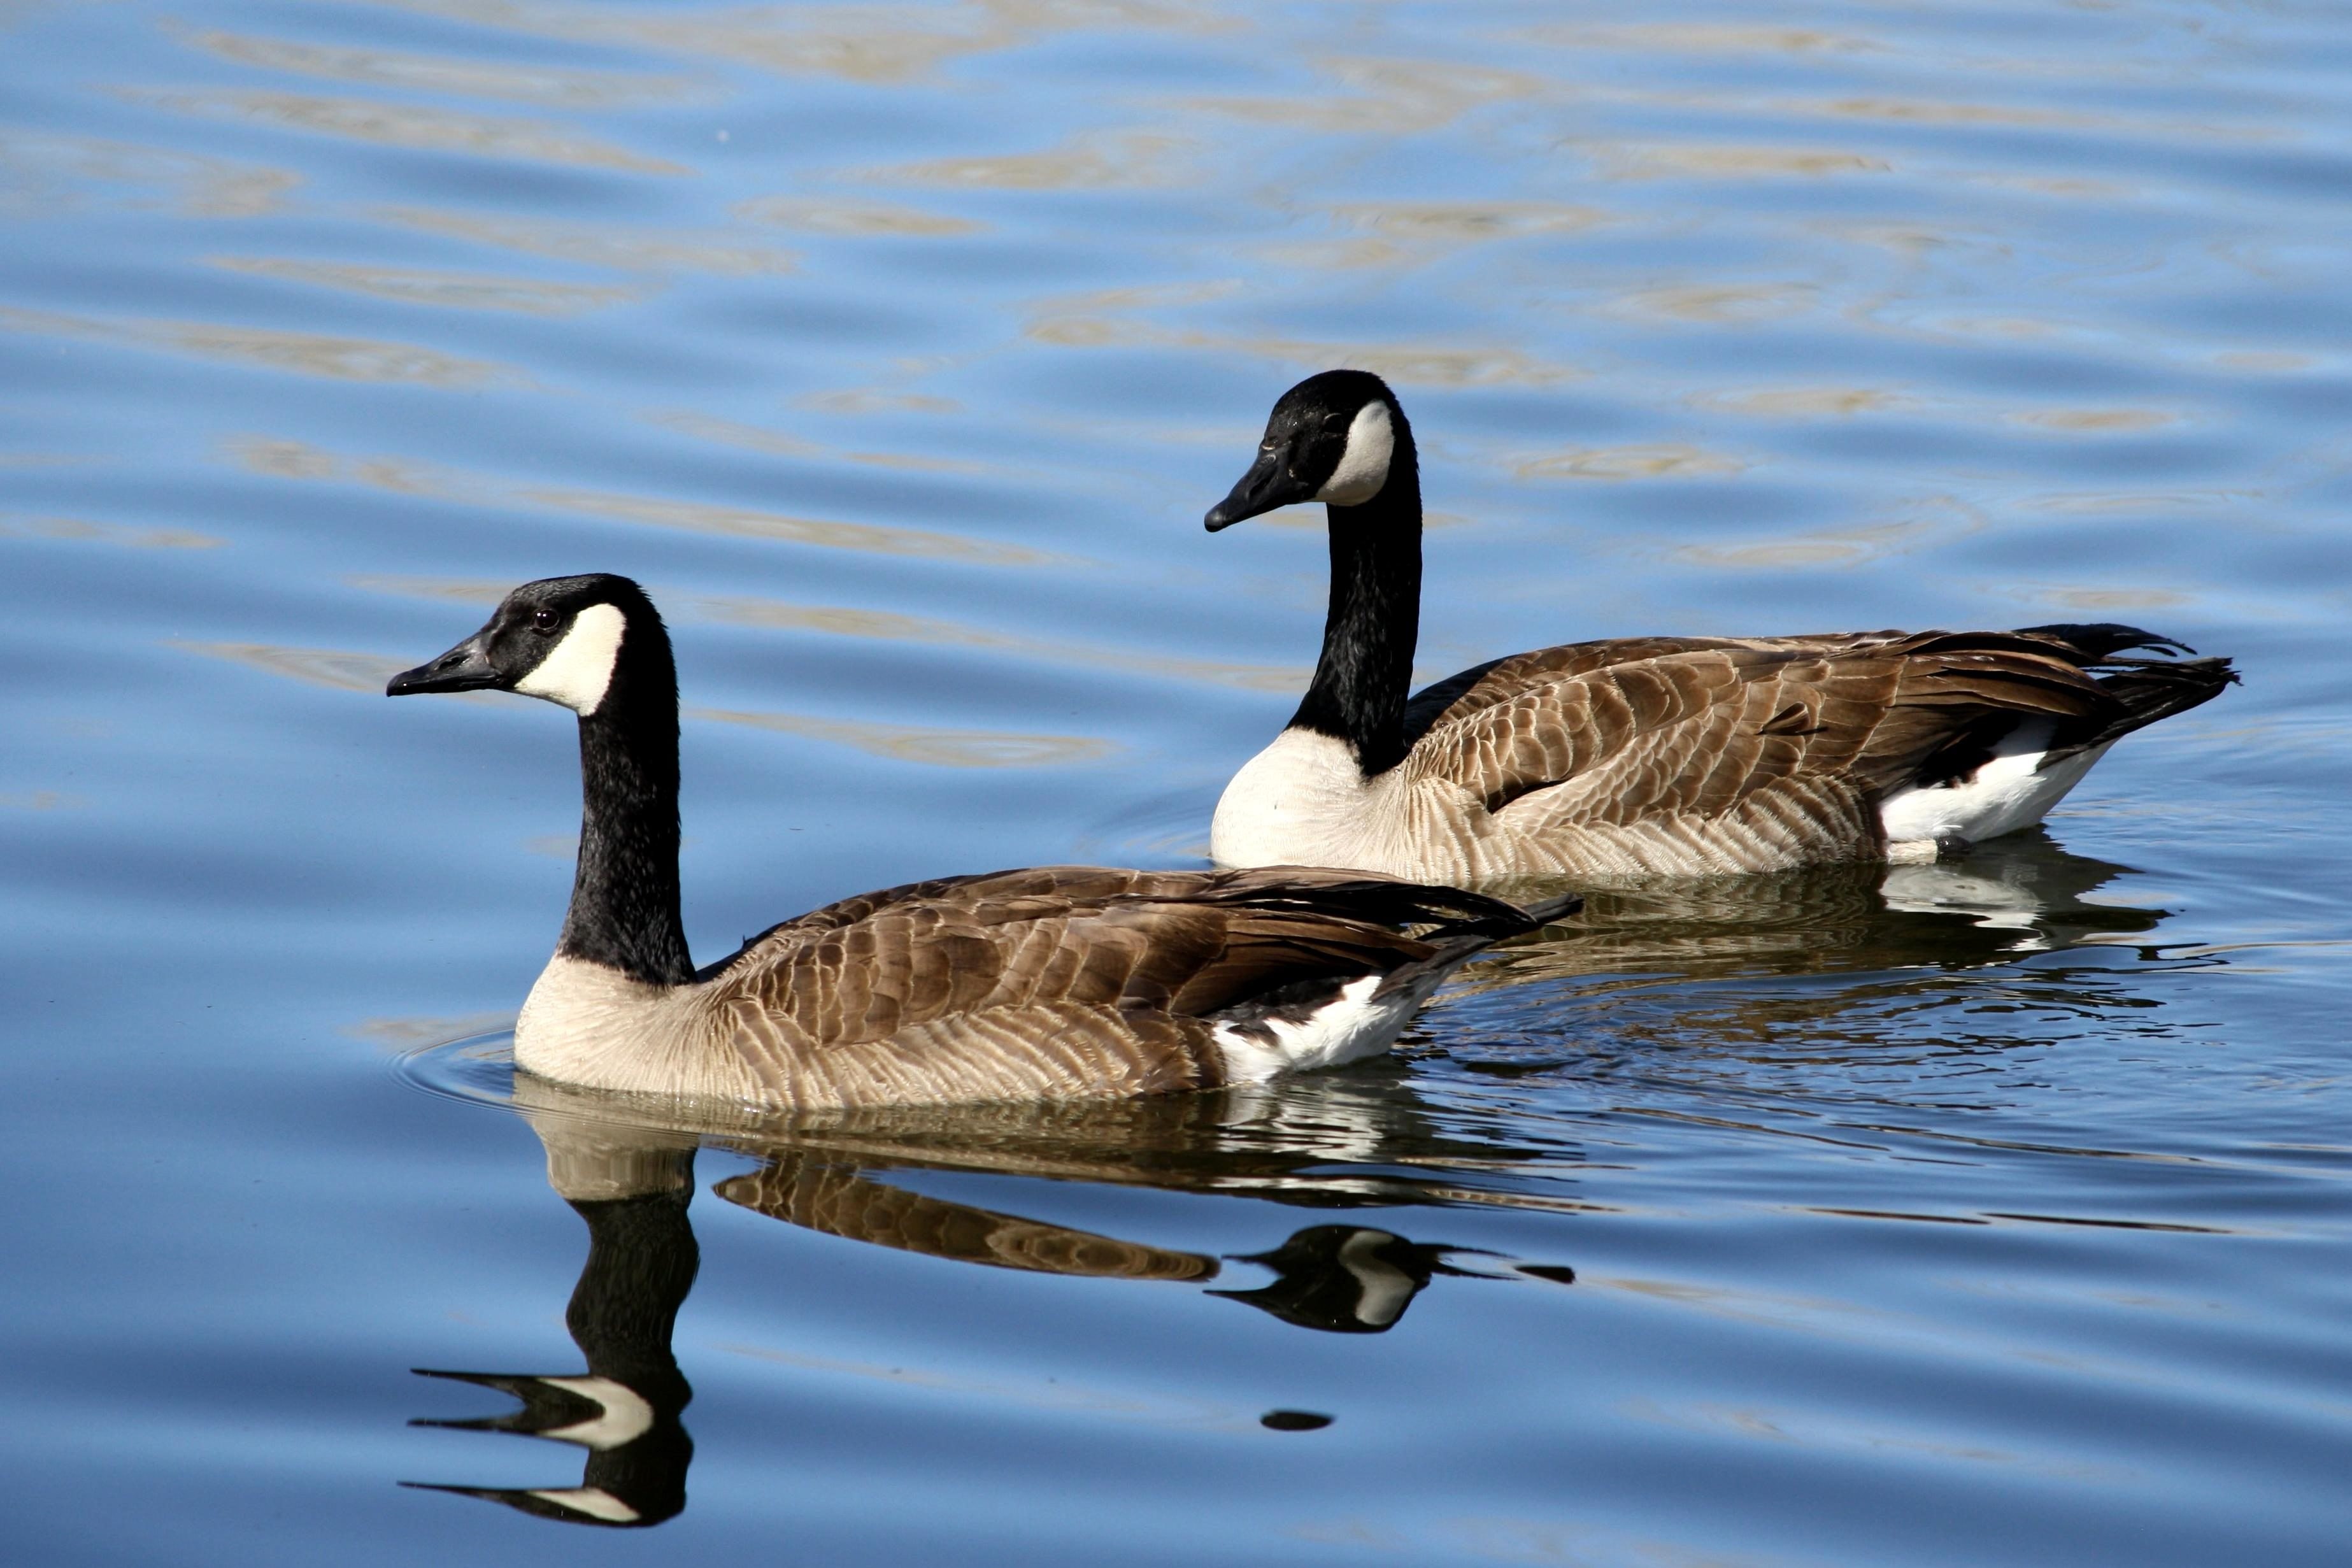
(1996,1216)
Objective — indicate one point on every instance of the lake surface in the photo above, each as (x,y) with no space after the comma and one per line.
(1999,1213)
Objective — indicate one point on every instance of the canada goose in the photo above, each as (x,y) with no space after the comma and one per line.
(1053,982)
(1638,755)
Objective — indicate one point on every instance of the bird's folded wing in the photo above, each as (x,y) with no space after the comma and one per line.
(1186,943)
(1614,732)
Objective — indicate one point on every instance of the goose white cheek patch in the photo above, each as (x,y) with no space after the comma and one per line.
(577,670)
(1364,463)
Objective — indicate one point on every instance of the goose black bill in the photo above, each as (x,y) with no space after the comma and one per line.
(465,668)
(1269,484)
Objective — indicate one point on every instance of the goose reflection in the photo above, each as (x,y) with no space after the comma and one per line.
(2012,896)
(624,1409)
(632,1184)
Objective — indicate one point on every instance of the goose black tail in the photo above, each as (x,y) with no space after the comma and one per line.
(1457,942)
(2145,688)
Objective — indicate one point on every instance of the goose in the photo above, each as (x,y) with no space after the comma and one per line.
(1641,756)
(1059,981)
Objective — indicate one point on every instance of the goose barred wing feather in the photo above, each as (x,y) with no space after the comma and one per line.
(1615,732)
(1041,980)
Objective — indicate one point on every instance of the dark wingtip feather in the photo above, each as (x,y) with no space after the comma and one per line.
(2101,640)
(1544,911)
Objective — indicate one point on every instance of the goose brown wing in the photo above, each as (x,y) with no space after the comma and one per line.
(1615,732)
(1184,944)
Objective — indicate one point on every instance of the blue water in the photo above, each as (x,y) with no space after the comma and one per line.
(1998,1213)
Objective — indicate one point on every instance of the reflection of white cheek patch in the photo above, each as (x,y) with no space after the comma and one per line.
(625,1416)
(577,670)
(593,1502)
(1364,464)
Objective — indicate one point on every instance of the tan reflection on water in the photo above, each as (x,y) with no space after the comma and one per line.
(877,400)
(1121,160)
(412,126)
(1468,222)
(835,620)
(337,668)
(600,244)
(401,1035)
(1068,323)
(105,534)
(1393,234)
(305,353)
(1701,37)
(1843,547)
(2095,600)
(1806,402)
(703,517)
(2106,504)
(451,590)
(38,168)
(1717,304)
(830,216)
(2264,362)
(732,433)
(1702,161)
(557,86)
(880,44)
(915,743)
(1658,461)
(1390,97)
(299,460)
(761,438)
(2096,421)
(1925,112)
(455,291)
(41,800)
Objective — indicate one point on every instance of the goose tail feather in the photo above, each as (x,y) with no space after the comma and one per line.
(2146,676)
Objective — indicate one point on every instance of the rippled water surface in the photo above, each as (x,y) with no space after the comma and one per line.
(1998,1213)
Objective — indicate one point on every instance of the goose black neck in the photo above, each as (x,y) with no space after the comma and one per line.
(1360,682)
(642,1260)
(624,903)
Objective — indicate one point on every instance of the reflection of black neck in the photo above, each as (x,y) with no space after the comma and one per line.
(1360,682)
(642,1260)
(625,900)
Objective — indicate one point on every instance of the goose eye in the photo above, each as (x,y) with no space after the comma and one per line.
(544,620)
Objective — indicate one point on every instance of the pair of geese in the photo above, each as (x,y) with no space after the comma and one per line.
(1333,919)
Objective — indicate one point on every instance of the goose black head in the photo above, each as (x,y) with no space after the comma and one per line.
(560,638)
(1330,438)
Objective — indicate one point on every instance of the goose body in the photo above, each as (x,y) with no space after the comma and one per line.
(1055,981)
(1636,756)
